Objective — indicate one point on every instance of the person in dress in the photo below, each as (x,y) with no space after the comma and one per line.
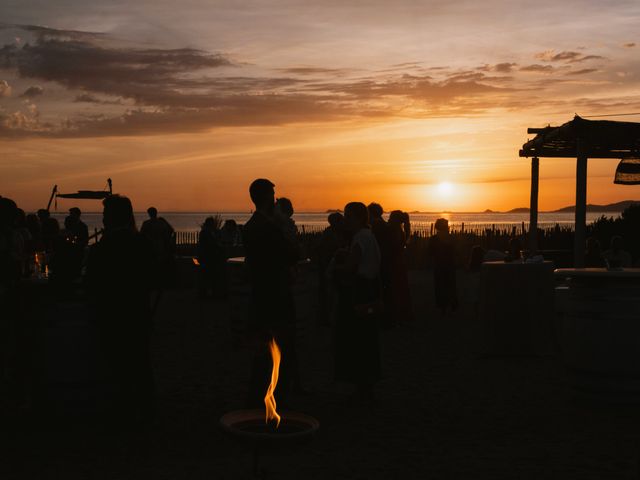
(357,273)
(211,258)
(441,251)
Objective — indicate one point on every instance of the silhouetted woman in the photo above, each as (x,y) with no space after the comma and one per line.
(332,239)
(441,250)
(211,258)
(357,352)
(119,277)
(400,294)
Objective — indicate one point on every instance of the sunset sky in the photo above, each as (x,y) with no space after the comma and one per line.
(183,103)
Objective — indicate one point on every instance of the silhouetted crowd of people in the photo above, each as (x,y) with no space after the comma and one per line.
(362,288)
(114,279)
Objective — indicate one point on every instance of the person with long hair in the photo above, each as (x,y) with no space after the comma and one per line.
(120,270)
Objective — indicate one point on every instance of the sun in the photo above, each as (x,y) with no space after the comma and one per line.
(445,189)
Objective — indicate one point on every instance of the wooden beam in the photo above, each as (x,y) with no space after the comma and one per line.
(53,195)
(581,207)
(571,153)
(533,206)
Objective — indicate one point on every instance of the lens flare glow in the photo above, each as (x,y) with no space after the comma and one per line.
(446,189)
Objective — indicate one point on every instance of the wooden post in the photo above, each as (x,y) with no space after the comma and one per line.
(533,206)
(581,206)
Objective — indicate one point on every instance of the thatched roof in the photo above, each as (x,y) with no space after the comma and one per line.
(597,138)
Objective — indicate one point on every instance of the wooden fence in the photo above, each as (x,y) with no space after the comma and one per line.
(422,230)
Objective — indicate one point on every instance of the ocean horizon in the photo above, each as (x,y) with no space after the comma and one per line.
(191,221)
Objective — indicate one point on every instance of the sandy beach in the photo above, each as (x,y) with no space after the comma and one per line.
(441,412)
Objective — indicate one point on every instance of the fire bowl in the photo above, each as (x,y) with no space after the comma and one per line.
(249,425)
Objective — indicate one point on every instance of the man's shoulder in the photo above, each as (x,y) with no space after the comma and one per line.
(257,221)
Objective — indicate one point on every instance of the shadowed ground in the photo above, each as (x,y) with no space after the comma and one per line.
(441,413)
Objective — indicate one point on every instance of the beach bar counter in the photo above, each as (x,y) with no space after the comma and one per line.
(600,331)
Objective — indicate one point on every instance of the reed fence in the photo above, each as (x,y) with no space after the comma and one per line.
(490,236)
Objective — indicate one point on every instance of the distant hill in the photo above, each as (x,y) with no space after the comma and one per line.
(610,208)
(518,210)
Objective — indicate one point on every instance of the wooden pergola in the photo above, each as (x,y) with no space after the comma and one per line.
(580,139)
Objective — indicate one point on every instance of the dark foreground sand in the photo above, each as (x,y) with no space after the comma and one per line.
(441,413)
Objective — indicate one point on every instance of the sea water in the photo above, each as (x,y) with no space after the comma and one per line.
(191,221)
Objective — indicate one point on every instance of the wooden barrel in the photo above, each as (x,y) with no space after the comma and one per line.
(600,332)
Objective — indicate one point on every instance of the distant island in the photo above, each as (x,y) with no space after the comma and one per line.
(608,208)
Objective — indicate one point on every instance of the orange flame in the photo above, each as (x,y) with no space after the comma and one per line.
(195,261)
(269,399)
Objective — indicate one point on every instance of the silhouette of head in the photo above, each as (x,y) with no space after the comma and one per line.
(209,224)
(356,216)
(375,211)
(335,219)
(75,212)
(118,213)
(262,193)
(43,214)
(8,212)
(230,224)
(442,225)
(21,218)
(397,217)
(152,212)
(285,206)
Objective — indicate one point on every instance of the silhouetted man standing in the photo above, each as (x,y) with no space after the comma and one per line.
(269,257)
(160,235)
(79,228)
